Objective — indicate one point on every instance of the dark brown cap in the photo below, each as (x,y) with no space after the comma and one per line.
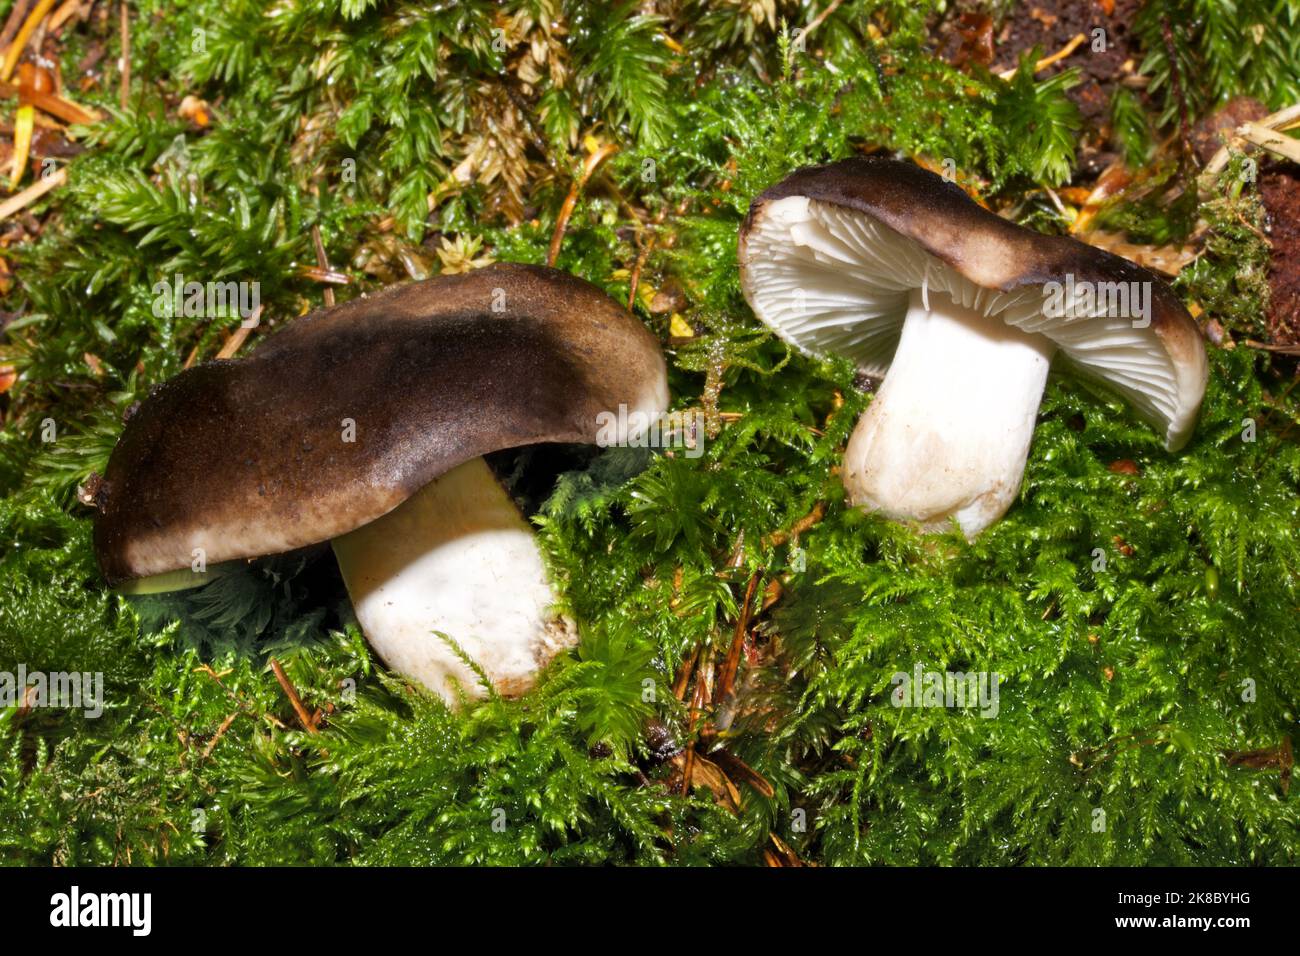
(897,227)
(345,413)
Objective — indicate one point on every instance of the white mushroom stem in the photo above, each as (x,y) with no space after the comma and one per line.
(457,558)
(948,433)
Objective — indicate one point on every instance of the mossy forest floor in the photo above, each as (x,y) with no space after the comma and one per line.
(1142,607)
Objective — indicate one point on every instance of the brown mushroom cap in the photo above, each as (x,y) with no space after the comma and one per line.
(1160,369)
(247,458)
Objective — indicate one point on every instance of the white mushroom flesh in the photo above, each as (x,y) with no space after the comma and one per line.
(947,435)
(456,560)
(964,365)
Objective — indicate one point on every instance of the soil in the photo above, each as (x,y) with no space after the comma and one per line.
(1050,25)
(1209,134)
(1279,188)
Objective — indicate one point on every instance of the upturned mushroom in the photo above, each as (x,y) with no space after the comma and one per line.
(900,271)
(364,425)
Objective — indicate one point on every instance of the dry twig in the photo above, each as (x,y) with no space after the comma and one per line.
(589,167)
(287,686)
(35,191)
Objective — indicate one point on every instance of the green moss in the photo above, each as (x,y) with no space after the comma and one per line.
(1123,678)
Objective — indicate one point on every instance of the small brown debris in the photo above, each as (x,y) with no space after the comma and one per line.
(976,32)
(196,110)
(670,297)
(88,491)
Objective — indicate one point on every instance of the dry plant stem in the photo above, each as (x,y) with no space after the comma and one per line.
(233,344)
(303,717)
(14,21)
(1047,61)
(24,124)
(821,18)
(697,700)
(124,93)
(778,538)
(240,335)
(1282,349)
(1175,78)
(736,769)
(25,34)
(323,261)
(1271,140)
(562,221)
(64,13)
(683,678)
(1262,134)
(35,191)
(635,278)
(732,665)
(221,732)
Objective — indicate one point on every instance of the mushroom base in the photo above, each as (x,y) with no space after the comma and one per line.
(455,559)
(947,435)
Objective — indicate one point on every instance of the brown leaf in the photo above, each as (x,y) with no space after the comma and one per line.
(705,773)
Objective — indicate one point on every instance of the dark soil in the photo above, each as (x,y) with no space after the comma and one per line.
(1050,25)
(1279,187)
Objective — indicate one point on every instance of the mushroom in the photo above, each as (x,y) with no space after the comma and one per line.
(364,425)
(900,271)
